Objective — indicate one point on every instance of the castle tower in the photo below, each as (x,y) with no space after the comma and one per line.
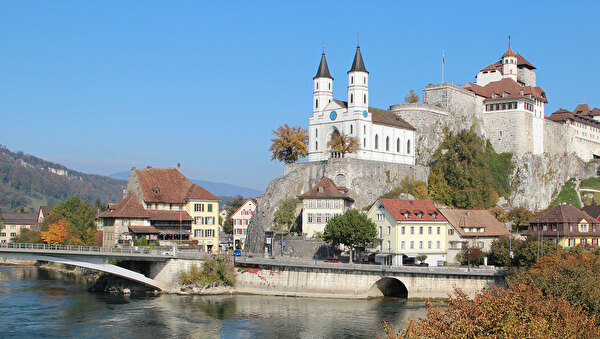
(358,85)
(509,64)
(323,82)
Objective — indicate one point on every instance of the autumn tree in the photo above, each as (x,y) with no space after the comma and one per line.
(350,229)
(343,144)
(438,189)
(57,232)
(412,97)
(80,215)
(520,216)
(525,252)
(289,144)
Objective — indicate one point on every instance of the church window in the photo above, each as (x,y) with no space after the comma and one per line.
(500,133)
(365,98)
(365,80)
(351,98)
(351,129)
(408,146)
(330,86)
(317,103)
(317,85)
(365,129)
(365,142)
(316,133)
(376,141)
(398,145)
(351,80)
(316,145)
(387,143)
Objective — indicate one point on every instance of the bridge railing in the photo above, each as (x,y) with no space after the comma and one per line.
(76,248)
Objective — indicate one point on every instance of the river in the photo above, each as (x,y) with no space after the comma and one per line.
(39,303)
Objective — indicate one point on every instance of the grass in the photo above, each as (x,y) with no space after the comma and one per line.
(568,195)
(593,183)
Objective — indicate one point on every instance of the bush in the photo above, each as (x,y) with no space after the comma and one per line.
(212,271)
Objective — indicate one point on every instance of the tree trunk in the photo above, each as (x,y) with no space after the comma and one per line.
(351,249)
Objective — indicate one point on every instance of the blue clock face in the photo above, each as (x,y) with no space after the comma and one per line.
(333,115)
(365,113)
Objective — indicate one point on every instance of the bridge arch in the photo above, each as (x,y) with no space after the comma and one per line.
(388,287)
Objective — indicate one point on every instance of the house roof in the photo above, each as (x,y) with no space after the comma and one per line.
(323,71)
(326,189)
(46,210)
(382,117)
(143,230)
(521,61)
(409,210)
(244,204)
(19,218)
(563,213)
(168,185)
(169,215)
(461,219)
(582,109)
(130,207)
(592,210)
(507,87)
(357,64)
(509,52)
(562,115)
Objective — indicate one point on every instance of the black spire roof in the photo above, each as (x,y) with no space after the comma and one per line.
(323,71)
(358,64)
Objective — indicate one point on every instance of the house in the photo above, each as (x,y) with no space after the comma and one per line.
(565,225)
(162,204)
(43,213)
(476,228)
(321,203)
(382,135)
(241,219)
(223,217)
(593,211)
(409,228)
(13,223)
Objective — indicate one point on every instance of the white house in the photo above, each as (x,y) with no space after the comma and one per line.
(241,219)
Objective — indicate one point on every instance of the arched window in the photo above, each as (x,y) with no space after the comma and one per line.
(376,141)
(365,142)
(387,143)
(317,85)
(316,145)
(351,80)
(398,145)
(365,98)
(317,103)
(408,146)
(351,129)
(365,129)
(316,133)
(351,98)
(329,85)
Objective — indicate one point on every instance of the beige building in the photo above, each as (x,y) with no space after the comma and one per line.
(14,223)
(407,229)
(321,203)
(162,204)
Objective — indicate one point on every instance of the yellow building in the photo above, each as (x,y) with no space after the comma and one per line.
(203,207)
(407,229)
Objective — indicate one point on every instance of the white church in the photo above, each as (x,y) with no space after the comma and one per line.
(383,136)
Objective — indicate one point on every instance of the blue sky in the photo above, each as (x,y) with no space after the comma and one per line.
(102,86)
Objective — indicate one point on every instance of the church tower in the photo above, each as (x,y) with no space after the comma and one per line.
(509,64)
(323,82)
(358,85)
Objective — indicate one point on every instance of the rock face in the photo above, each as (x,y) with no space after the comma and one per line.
(365,181)
(538,178)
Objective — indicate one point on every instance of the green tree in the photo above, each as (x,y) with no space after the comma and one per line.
(289,144)
(230,207)
(412,97)
(228,226)
(463,160)
(343,144)
(28,236)
(285,215)
(79,214)
(350,229)
(438,189)
(520,216)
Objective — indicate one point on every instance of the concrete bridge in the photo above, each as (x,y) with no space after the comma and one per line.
(311,278)
(97,258)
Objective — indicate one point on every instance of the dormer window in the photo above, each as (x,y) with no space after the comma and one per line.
(420,215)
(321,189)
(406,215)
(156,190)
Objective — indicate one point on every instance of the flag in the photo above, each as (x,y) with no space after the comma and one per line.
(179,216)
(443,58)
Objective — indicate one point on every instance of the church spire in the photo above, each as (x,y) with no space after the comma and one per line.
(509,51)
(358,65)
(323,71)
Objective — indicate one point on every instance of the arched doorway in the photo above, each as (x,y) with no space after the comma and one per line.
(388,287)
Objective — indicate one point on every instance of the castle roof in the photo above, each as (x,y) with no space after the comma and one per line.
(383,117)
(168,185)
(462,219)
(326,189)
(506,89)
(509,52)
(323,71)
(563,116)
(521,62)
(358,65)
(412,210)
(582,109)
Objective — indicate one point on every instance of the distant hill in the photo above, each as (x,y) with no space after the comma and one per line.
(217,188)
(28,181)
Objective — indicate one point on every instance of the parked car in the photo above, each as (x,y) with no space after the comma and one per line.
(332,260)
(237,253)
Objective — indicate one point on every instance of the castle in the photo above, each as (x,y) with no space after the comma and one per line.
(504,104)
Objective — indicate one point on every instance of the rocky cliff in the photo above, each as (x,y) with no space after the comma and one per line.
(365,181)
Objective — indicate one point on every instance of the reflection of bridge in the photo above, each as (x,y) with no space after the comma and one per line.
(317,278)
(91,257)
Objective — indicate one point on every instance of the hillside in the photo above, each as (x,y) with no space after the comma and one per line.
(28,181)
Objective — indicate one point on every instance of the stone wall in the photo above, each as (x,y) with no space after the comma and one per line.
(556,137)
(509,131)
(365,181)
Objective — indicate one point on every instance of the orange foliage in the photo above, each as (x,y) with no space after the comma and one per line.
(57,232)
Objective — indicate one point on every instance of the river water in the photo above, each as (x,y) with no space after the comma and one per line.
(38,303)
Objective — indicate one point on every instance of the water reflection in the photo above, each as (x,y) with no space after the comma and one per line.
(50,305)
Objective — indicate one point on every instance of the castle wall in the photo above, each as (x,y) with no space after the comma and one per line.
(510,131)
(556,137)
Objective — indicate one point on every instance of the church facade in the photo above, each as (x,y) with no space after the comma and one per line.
(381,134)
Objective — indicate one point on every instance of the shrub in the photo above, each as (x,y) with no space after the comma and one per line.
(212,271)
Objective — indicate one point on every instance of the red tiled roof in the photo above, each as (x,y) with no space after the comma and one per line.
(562,115)
(521,61)
(383,117)
(461,219)
(325,189)
(19,218)
(168,185)
(562,215)
(143,230)
(130,207)
(46,210)
(595,112)
(244,204)
(582,109)
(169,215)
(509,52)
(494,90)
(398,208)
(198,192)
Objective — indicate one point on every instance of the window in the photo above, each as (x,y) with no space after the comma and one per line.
(364,142)
(429,230)
(402,245)
(319,203)
(13,234)
(421,244)
(571,242)
(387,143)
(412,244)
(450,232)
(595,241)
(389,230)
(398,145)
(327,204)
(439,230)
(209,207)
(583,241)
(327,217)
(351,129)
(438,244)
(351,98)
(198,207)
(309,218)
(389,244)
(380,231)
(336,204)
(402,230)
(412,230)
(480,244)
(364,98)
(570,228)
(429,244)
(376,141)
(318,217)
(420,229)
(584,227)
(309,203)
(380,217)
(408,146)
(316,145)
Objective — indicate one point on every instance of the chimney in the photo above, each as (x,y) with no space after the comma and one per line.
(148,167)
(179,166)
(133,168)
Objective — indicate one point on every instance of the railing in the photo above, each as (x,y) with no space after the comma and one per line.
(76,248)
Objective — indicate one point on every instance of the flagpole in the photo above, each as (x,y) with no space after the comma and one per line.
(443,63)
